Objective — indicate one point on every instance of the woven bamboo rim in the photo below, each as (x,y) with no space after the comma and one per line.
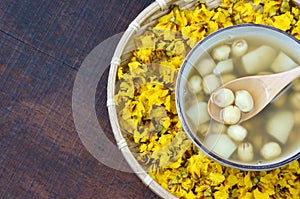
(122,53)
(297,2)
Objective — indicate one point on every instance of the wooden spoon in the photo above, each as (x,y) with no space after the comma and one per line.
(263,88)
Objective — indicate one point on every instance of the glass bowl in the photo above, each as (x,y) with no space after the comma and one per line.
(213,138)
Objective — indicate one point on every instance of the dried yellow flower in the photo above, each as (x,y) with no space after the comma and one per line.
(283,21)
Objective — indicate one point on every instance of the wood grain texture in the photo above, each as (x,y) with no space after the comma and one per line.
(43,44)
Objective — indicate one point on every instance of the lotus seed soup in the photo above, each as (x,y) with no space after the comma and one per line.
(270,135)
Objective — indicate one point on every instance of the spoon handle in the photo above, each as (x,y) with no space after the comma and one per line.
(282,79)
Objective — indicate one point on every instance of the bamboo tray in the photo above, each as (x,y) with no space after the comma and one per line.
(121,57)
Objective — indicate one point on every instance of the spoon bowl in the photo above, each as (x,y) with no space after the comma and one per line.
(263,89)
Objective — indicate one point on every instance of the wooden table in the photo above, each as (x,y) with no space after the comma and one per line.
(43,44)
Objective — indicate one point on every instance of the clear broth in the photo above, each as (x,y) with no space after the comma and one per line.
(256,126)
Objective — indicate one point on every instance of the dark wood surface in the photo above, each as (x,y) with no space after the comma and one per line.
(43,44)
